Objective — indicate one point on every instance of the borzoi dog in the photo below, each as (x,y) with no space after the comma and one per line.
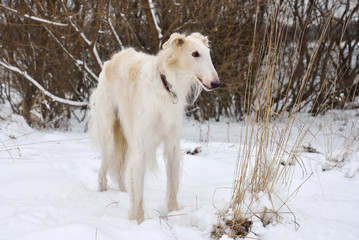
(138,105)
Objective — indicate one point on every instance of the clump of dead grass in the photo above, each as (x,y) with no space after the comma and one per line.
(239,227)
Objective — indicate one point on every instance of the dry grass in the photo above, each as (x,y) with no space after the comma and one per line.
(268,154)
(238,227)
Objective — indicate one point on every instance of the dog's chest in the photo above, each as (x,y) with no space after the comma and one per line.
(165,119)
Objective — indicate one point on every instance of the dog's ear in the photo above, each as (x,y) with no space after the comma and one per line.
(175,38)
(199,36)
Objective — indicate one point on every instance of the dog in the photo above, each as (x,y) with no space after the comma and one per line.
(139,104)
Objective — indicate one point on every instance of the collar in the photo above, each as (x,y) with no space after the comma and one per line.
(168,88)
(166,84)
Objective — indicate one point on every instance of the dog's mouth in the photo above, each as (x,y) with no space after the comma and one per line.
(208,89)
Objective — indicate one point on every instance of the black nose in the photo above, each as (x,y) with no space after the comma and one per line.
(214,85)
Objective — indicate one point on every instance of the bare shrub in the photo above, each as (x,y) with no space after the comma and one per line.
(53,51)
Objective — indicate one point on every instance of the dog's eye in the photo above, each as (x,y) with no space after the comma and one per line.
(195,54)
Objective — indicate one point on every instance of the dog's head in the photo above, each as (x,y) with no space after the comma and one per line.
(191,56)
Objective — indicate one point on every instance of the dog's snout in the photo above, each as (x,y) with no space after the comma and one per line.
(215,85)
(215,81)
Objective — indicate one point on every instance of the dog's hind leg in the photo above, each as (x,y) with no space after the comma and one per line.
(102,177)
(111,157)
(135,180)
(121,181)
(121,146)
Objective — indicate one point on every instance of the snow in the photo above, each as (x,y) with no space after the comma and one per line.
(48,185)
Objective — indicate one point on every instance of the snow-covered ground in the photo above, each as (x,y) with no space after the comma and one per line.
(48,185)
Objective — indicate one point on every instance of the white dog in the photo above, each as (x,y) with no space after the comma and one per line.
(138,105)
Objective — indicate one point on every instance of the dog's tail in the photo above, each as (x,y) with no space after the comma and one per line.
(101,111)
(106,131)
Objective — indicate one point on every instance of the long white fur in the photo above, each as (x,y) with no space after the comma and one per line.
(132,113)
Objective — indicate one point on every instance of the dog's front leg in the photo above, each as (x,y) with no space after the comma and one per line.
(173,168)
(135,181)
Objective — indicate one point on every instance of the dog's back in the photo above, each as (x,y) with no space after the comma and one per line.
(116,91)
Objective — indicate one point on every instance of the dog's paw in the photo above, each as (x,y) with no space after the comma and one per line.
(172,205)
(139,216)
(122,186)
(102,184)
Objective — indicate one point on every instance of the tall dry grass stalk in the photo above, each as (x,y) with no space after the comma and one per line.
(268,152)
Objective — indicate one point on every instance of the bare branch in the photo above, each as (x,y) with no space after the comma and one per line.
(37,19)
(90,44)
(79,64)
(43,90)
(114,32)
(155,21)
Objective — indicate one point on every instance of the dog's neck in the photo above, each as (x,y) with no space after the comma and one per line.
(169,89)
(179,82)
